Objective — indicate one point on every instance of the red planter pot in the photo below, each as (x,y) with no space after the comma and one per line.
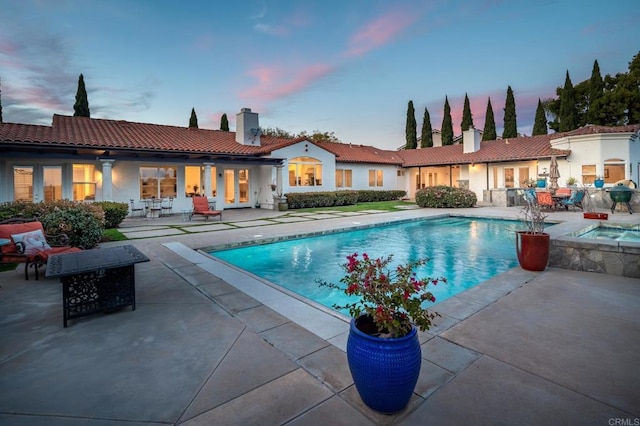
(533,250)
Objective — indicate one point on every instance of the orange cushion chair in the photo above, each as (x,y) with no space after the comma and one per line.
(29,244)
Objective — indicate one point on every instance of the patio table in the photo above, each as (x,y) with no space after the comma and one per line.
(98,280)
(557,200)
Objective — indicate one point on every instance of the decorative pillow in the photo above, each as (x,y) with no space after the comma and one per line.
(33,241)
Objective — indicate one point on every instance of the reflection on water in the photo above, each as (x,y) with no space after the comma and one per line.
(465,251)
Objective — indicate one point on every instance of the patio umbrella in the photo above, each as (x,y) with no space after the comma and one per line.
(554,173)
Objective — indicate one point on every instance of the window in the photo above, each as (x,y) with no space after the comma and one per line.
(343,178)
(588,173)
(53,183)
(613,170)
(523,173)
(84,182)
(157,182)
(23,183)
(375,178)
(508,177)
(305,171)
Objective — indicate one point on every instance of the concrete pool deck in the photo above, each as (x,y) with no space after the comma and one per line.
(555,347)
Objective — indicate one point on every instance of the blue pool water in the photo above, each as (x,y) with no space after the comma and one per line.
(466,251)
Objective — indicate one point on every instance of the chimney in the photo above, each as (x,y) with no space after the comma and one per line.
(437,138)
(247,128)
(471,140)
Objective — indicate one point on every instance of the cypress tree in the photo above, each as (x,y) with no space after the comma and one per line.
(510,127)
(224,123)
(467,117)
(426,140)
(568,114)
(81,107)
(596,93)
(0,100)
(447,125)
(193,121)
(489,132)
(540,125)
(411,128)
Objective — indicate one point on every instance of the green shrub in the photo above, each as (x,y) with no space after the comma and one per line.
(371,195)
(82,222)
(306,200)
(114,213)
(445,197)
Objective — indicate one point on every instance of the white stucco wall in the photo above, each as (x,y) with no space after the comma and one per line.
(307,149)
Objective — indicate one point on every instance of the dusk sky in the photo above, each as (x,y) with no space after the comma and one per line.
(343,66)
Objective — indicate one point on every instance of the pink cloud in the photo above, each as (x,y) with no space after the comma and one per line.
(379,32)
(278,82)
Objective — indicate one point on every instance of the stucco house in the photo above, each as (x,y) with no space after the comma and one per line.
(81,158)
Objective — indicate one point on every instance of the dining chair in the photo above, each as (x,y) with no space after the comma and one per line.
(136,209)
(155,211)
(167,206)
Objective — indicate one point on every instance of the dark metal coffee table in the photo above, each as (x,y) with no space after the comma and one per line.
(98,280)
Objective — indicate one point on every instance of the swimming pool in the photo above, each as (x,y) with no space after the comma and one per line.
(467,251)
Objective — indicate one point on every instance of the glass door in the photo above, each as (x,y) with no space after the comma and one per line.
(35,183)
(236,188)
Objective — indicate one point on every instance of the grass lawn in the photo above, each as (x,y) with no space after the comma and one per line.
(375,205)
(113,235)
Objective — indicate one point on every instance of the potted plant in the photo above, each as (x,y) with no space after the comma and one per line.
(542,182)
(530,183)
(533,245)
(383,350)
(598,182)
(571,181)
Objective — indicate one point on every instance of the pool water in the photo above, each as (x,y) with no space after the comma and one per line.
(466,251)
(613,233)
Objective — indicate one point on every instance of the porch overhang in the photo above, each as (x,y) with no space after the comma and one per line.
(22,150)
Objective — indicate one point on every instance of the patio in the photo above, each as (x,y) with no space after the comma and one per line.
(556,347)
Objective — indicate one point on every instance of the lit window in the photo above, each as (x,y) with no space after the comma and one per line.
(343,178)
(23,183)
(305,171)
(84,182)
(157,182)
(375,178)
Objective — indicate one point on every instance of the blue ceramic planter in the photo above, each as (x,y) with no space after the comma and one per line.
(598,183)
(385,371)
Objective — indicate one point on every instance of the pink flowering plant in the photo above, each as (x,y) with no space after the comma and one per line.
(392,298)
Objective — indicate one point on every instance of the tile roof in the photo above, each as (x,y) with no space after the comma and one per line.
(349,153)
(93,133)
(501,150)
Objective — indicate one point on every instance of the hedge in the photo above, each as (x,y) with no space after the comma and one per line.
(305,200)
(82,222)
(114,213)
(445,197)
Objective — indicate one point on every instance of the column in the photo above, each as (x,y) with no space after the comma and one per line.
(279,179)
(107,180)
(206,185)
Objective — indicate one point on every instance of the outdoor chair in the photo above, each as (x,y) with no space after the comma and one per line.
(545,200)
(167,205)
(530,196)
(201,207)
(574,201)
(136,209)
(155,210)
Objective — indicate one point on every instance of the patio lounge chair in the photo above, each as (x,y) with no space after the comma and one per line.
(574,201)
(545,200)
(201,207)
